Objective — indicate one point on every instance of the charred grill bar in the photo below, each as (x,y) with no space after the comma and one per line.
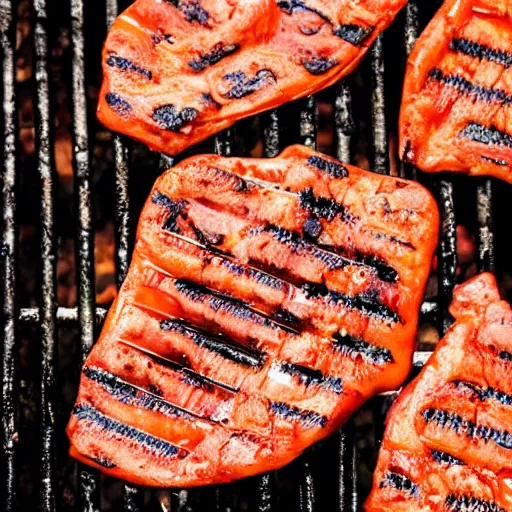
(48,315)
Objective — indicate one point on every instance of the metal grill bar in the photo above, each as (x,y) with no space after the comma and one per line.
(412,29)
(380,136)
(308,123)
(486,261)
(447,265)
(48,256)
(271,144)
(265,493)
(88,479)
(64,316)
(8,257)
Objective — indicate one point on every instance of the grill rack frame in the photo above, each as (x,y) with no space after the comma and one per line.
(88,317)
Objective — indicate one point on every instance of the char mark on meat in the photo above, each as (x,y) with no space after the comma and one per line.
(221,345)
(367,303)
(129,394)
(308,419)
(318,65)
(481,51)
(446,458)
(506,356)
(168,118)
(470,429)
(484,394)
(115,61)
(353,347)
(399,482)
(227,304)
(475,92)
(334,169)
(309,376)
(192,10)
(490,136)
(495,161)
(103,462)
(324,207)
(119,105)
(242,86)
(292,6)
(188,376)
(174,207)
(114,428)
(255,274)
(218,52)
(353,34)
(471,504)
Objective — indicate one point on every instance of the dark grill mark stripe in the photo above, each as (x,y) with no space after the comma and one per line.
(309,377)
(292,6)
(118,104)
(391,238)
(331,259)
(353,34)
(324,207)
(115,428)
(484,394)
(481,51)
(227,304)
(103,462)
(399,482)
(495,161)
(242,86)
(318,65)
(189,376)
(353,347)
(506,356)
(168,118)
(470,429)
(115,61)
(217,53)
(367,303)
(475,92)
(192,10)
(471,504)
(491,136)
(445,458)
(334,169)
(174,207)
(309,419)
(223,346)
(259,276)
(129,394)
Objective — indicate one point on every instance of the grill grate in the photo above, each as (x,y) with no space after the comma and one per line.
(48,316)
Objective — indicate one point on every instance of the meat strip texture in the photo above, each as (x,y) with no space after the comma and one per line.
(266,300)
(177,71)
(448,439)
(457,99)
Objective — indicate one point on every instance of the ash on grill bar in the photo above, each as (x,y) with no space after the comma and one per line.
(72,192)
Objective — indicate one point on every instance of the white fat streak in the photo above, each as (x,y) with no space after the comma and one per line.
(131,21)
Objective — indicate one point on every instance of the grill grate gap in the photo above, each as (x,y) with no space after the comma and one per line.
(48,257)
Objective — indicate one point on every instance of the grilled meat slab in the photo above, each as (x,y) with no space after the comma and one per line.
(178,71)
(266,301)
(457,100)
(448,439)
